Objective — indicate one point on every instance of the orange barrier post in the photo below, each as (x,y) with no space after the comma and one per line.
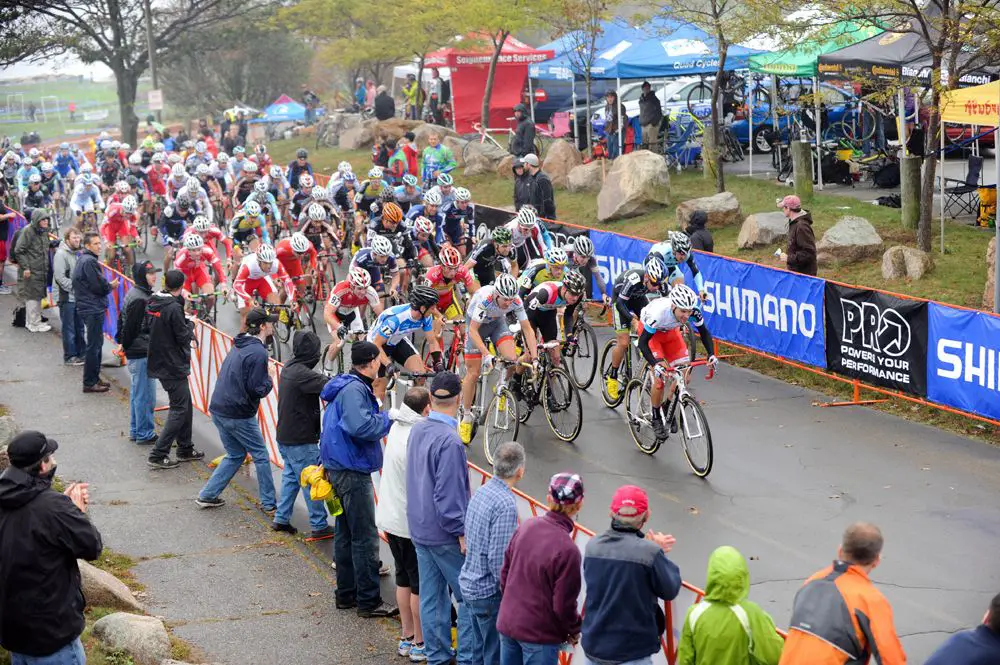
(856,399)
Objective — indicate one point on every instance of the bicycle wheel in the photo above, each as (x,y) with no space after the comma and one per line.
(562,405)
(733,147)
(699,95)
(623,379)
(283,331)
(583,363)
(695,436)
(524,405)
(274,347)
(501,422)
(306,320)
(639,413)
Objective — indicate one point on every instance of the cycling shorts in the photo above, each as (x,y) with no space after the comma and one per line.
(546,323)
(197,278)
(244,235)
(455,236)
(263,287)
(494,331)
(398,353)
(345,318)
(633,305)
(669,345)
(111,232)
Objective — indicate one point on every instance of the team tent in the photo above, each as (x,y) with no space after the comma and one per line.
(800,60)
(283,109)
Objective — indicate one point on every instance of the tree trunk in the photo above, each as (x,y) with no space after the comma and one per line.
(421,97)
(126,83)
(713,160)
(930,162)
(498,43)
(586,113)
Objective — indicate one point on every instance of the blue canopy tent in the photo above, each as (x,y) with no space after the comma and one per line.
(283,109)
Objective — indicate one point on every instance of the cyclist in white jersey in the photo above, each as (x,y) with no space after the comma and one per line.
(393,330)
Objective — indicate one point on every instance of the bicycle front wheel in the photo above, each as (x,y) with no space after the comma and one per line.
(583,364)
(695,436)
(562,405)
(501,422)
(609,348)
(699,96)
(639,413)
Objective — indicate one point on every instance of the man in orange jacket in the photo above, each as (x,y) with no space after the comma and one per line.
(838,616)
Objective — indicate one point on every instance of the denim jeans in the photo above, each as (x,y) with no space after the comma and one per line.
(73,336)
(355,547)
(94,324)
(71,654)
(298,457)
(648,660)
(613,148)
(439,568)
(513,652)
(484,614)
(178,426)
(141,401)
(239,437)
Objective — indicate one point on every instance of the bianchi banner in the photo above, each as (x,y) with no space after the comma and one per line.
(877,338)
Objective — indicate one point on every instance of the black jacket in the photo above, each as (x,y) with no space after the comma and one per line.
(170,336)
(131,334)
(89,285)
(523,141)
(243,379)
(543,197)
(385,106)
(522,190)
(42,534)
(298,393)
(701,238)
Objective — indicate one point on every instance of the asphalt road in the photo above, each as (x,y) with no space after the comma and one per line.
(788,478)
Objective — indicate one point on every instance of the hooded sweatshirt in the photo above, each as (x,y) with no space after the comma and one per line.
(132,335)
(170,336)
(353,426)
(62,273)
(713,633)
(801,244)
(243,380)
(42,534)
(701,238)
(32,253)
(298,393)
(390,512)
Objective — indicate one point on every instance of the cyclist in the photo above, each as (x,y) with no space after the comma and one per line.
(262,195)
(486,316)
(348,300)
(393,330)
(408,193)
(549,269)
(176,182)
(170,228)
(120,191)
(298,257)
(65,163)
(675,251)
(36,195)
(24,173)
(248,227)
(581,256)
(52,181)
(119,225)
(193,260)
(421,244)
(370,190)
(212,235)
(529,235)
(222,173)
(86,197)
(543,301)
(319,196)
(431,209)
(435,160)
(345,194)
(244,184)
(238,161)
(277,183)
(157,175)
(208,184)
(662,345)
(257,274)
(303,195)
(300,166)
(261,157)
(445,278)
(337,181)
(378,259)
(199,198)
(111,169)
(459,220)
(313,224)
(445,188)
(492,256)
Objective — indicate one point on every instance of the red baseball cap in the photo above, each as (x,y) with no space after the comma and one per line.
(791,201)
(629,501)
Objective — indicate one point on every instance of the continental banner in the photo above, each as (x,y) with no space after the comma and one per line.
(877,338)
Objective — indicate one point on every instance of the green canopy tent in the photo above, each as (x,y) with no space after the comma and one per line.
(800,60)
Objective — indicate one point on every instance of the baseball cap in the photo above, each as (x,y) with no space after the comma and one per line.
(173,280)
(629,501)
(30,447)
(790,201)
(363,353)
(531,159)
(259,315)
(445,385)
(566,488)
(150,267)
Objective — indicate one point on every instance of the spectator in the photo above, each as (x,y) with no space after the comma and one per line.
(385,105)
(627,575)
(543,197)
(523,141)
(231,139)
(522,184)
(408,144)
(369,94)
(801,254)
(72,111)
(615,119)
(701,237)
(650,117)
(42,534)
(359,93)
(245,378)
(413,96)
(979,646)
(437,496)
(134,338)
(310,101)
(862,625)
(297,432)
(725,628)
(490,523)
(73,337)
(6,217)
(351,450)
(91,290)
(169,360)
(31,253)
(390,517)
(434,100)
(540,581)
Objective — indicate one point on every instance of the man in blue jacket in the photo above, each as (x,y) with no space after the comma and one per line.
(246,377)
(979,646)
(351,449)
(91,290)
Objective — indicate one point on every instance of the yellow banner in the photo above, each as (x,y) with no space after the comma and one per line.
(973,106)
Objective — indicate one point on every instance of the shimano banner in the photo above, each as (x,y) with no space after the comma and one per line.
(615,254)
(877,338)
(963,363)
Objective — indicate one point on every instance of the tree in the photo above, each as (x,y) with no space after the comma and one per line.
(112,32)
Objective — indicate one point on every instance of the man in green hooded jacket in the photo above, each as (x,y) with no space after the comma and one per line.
(725,628)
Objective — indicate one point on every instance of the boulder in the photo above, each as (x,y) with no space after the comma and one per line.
(102,589)
(991,262)
(850,239)
(457,146)
(8,430)
(479,163)
(504,167)
(637,183)
(394,128)
(561,158)
(357,137)
(901,262)
(422,131)
(488,150)
(142,637)
(761,229)
(586,177)
(722,210)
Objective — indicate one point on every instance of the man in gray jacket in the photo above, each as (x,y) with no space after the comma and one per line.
(650,117)
(32,255)
(74,344)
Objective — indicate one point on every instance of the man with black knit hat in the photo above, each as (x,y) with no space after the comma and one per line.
(134,338)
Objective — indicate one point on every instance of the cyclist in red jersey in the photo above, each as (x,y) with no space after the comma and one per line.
(292,253)
(444,278)
(158,174)
(194,261)
(122,190)
(120,223)
(257,274)
(212,235)
(349,299)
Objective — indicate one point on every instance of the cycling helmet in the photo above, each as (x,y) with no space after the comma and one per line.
(502,236)
(159,147)
(193,184)
(87,179)
(526,217)
(47,167)
(410,180)
(64,146)
(445,180)
(125,146)
(556,257)
(462,194)
(345,167)
(301,153)
(157,158)
(222,158)
(654,269)
(392,213)
(350,177)
(201,224)
(252,209)
(105,145)
(27,161)
(265,254)
(574,282)
(583,246)
(300,243)
(375,173)
(129,205)
(35,179)
(359,278)
(261,149)
(432,198)
(318,193)
(249,167)
(680,242)
(115,145)
(381,246)
(193,241)
(239,150)
(275,172)
(188,145)
(260,186)
(450,258)
(423,297)
(203,170)
(387,195)
(122,187)
(316,212)
(177,170)
(506,286)
(424,225)
(174,158)
(33,153)
(133,182)
(182,201)
(135,159)
(200,146)
(682,297)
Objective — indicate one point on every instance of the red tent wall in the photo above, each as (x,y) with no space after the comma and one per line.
(468,85)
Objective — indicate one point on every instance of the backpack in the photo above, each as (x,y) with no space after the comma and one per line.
(20,317)
(836,171)
(887,177)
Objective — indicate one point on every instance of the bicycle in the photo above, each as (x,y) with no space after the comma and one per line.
(119,261)
(689,419)
(407,380)
(205,305)
(88,221)
(453,354)
(500,418)
(484,136)
(553,389)
(357,333)
(580,351)
(625,371)
(296,317)
(273,343)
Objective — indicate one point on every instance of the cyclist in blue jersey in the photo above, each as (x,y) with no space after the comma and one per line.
(675,251)
(431,209)
(445,187)
(460,220)
(379,260)
(393,331)
(66,164)
(409,193)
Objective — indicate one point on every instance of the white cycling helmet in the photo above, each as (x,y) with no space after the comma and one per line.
(159,147)
(260,186)
(316,212)
(106,145)
(129,205)
(682,297)
(583,246)
(410,180)
(424,225)
(359,278)
(200,146)
(115,145)
(125,146)
(87,179)
(86,168)
(27,161)
(47,167)
(193,185)
(300,243)
(252,208)
(306,181)
(249,167)
(135,159)
(275,171)
(35,179)
(157,158)
(193,241)
(201,223)
(345,167)
(680,242)
(319,193)
(432,198)
(265,254)
(223,158)
(174,158)
(177,170)
(506,286)
(462,194)
(122,187)
(203,169)
(556,257)
(375,173)
(526,217)
(654,269)
(381,246)
(33,153)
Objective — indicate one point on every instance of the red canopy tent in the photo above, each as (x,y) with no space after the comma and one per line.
(469,68)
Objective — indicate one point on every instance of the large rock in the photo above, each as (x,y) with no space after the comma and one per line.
(901,262)
(8,430)
(102,589)
(991,262)
(639,182)
(761,229)
(394,128)
(142,637)
(488,150)
(421,132)
(357,137)
(722,210)
(561,158)
(505,168)
(850,239)
(587,177)
(479,163)
(457,146)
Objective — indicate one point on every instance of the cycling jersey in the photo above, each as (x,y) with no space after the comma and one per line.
(630,295)
(174,185)
(213,237)
(369,192)
(111,172)
(660,338)
(37,198)
(484,306)
(300,201)
(173,223)
(23,175)
(537,236)
(268,204)
(437,218)
(536,272)
(446,287)
(295,170)
(365,259)
(292,261)
(416,248)
(439,159)
(665,252)
(546,297)
(658,315)
(195,269)
(158,179)
(252,278)
(86,198)
(458,224)
(397,323)
(243,226)
(447,198)
(487,262)
(404,199)
(53,183)
(589,269)
(343,298)
(315,232)
(117,224)
(65,163)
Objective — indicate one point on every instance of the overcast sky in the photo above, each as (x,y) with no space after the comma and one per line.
(66,65)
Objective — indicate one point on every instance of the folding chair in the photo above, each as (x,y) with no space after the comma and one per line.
(964,195)
(678,144)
